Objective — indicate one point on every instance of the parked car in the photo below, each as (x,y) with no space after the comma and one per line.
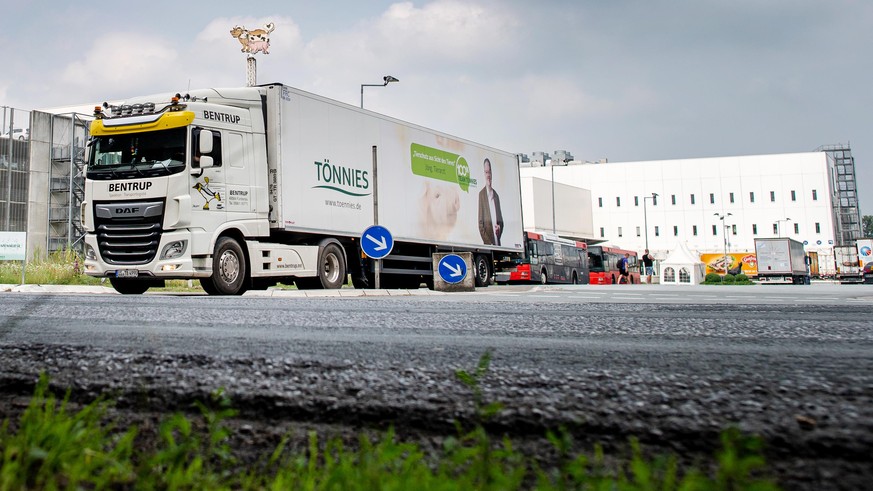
(18,134)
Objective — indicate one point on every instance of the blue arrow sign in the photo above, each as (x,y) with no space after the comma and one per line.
(376,242)
(452,268)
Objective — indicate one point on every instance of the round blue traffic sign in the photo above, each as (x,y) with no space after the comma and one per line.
(452,268)
(377,242)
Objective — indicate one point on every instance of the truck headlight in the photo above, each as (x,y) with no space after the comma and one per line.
(89,253)
(174,249)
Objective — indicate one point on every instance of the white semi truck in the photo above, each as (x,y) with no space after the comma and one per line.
(242,188)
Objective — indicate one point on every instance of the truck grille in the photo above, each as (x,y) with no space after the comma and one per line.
(128,233)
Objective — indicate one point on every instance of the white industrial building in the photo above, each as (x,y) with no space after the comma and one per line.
(714,204)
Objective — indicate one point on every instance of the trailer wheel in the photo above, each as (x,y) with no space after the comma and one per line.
(129,287)
(331,268)
(228,268)
(483,270)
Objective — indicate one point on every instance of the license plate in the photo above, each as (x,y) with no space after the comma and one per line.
(127,273)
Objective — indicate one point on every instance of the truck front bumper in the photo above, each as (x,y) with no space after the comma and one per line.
(173,260)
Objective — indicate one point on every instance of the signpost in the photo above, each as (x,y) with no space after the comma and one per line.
(452,268)
(376,243)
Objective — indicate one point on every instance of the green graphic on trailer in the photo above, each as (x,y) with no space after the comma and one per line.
(442,165)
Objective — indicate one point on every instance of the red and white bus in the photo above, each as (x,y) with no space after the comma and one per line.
(603,265)
(547,259)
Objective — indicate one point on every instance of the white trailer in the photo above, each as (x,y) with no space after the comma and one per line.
(245,187)
(781,260)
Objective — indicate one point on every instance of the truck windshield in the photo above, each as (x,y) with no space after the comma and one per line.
(149,154)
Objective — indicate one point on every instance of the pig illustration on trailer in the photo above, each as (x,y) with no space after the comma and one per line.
(438,210)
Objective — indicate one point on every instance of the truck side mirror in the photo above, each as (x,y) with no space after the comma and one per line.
(205,142)
(206,162)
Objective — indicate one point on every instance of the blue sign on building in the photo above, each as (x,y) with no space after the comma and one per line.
(452,268)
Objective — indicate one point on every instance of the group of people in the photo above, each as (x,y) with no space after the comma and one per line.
(624,267)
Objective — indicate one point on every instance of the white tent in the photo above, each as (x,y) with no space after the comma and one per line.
(682,267)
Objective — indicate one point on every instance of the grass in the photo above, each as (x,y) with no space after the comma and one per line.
(53,447)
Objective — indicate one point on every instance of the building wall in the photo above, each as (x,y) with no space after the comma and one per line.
(618,206)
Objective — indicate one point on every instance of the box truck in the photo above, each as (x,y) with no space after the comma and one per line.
(242,188)
(848,267)
(781,259)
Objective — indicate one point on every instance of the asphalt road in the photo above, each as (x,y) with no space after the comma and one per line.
(672,366)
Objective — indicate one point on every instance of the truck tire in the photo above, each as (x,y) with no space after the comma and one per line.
(331,270)
(544,277)
(228,268)
(482,270)
(129,287)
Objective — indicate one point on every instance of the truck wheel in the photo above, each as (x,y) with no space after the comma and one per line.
(206,284)
(129,287)
(544,278)
(575,278)
(228,267)
(483,270)
(331,268)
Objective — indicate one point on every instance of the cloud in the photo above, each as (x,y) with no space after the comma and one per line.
(120,63)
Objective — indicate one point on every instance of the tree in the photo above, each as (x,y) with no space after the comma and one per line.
(867,225)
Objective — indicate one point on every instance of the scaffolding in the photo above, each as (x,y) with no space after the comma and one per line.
(67,182)
(847,213)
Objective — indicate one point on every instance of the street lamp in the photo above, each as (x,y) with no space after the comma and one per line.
(654,198)
(779,226)
(724,226)
(387,79)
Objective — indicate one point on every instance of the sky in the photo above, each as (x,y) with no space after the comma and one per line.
(623,80)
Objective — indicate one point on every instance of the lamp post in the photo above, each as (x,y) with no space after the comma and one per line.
(560,157)
(387,79)
(724,226)
(779,226)
(653,197)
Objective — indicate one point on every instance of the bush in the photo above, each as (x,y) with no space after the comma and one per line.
(729,279)
(712,279)
(743,279)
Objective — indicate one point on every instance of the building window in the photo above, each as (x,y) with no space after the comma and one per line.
(714,230)
(602,232)
(619,232)
(675,230)
(793,195)
(773,196)
(657,231)
(618,201)
(751,196)
(638,231)
(636,201)
(600,202)
(734,229)
(694,229)
(712,198)
(692,199)
(673,198)
(669,275)
(775,228)
(796,228)
(814,195)
(817,228)
(754,229)
(732,197)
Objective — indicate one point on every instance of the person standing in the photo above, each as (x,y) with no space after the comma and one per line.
(490,217)
(649,263)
